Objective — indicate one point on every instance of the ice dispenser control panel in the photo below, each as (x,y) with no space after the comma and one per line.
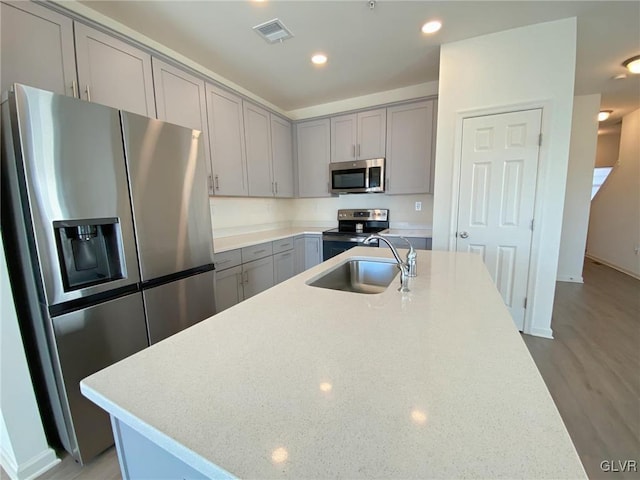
(89,251)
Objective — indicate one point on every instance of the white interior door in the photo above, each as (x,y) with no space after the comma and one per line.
(496,201)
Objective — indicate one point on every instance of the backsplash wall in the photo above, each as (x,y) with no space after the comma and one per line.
(237,215)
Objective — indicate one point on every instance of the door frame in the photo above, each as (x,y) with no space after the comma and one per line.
(542,182)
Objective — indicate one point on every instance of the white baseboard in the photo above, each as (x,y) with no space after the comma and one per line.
(541,332)
(31,469)
(615,267)
(570,278)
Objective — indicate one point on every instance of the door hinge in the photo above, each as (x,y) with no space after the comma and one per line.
(532,224)
(540,140)
(525,302)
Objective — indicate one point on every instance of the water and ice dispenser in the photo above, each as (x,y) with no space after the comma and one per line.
(89,251)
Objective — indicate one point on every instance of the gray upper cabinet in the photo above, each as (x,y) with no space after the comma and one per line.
(257,135)
(113,73)
(226,136)
(282,156)
(314,148)
(358,136)
(37,48)
(410,148)
(180,99)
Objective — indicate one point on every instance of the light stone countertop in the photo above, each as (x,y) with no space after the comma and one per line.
(224,244)
(305,382)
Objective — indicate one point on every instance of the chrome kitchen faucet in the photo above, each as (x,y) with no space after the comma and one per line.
(408,268)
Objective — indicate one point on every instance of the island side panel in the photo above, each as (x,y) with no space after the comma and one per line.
(139,457)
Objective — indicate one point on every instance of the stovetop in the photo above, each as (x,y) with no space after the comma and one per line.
(361,222)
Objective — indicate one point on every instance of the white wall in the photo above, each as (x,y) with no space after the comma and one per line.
(237,215)
(533,65)
(577,200)
(614,225)
(24,452)
(608,149)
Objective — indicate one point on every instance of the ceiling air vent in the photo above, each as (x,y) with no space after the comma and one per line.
(273,31)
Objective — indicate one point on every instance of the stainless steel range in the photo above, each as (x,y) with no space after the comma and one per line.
(353,227)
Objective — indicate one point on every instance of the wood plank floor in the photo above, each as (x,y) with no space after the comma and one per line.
(592,370)
(592,367)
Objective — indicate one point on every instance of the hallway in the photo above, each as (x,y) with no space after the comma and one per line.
(592,367)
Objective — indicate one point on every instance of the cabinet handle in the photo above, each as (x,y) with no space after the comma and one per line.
(285,244)
(358,150)
(210,184)
(276,188)
(88,93)
(246,278)
(74,89)
(328,189)
(388,184)
(353,151)
(223,263)
(217,182)
(260,251)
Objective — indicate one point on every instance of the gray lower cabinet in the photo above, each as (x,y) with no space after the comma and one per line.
(228,288)
(257,276)
(37,48)
(308,252)
(283,266)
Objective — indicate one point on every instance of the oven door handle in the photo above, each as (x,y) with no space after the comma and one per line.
(344,238)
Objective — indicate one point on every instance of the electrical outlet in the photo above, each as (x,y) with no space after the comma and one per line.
(418,206)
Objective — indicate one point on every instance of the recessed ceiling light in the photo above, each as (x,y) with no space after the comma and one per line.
(620,76)
(319,59)
(604,114)
(632,64)
(431,27)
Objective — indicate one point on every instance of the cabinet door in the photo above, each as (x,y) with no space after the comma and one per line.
(314,149)
(226,137)
(312,251)
(283,266)
(344,138)
(257,136)
(299,260)
(180,99)
(282,157)
(113,73)
(257,276)
(37,48)
(372,128)
(228,288)
(410,148)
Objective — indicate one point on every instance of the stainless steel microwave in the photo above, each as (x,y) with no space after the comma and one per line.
(357,176)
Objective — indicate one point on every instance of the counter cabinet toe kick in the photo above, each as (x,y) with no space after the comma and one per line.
(308,382)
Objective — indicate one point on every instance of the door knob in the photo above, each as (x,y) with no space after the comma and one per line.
(464,234)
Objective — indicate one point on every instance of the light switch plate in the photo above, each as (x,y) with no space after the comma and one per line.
(418,206)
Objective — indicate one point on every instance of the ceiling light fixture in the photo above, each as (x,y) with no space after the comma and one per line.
(632,64)
(604,114)
(431,27)
(319,59)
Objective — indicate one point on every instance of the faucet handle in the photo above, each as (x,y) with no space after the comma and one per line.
(411,260)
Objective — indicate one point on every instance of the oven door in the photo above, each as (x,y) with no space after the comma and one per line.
(335,244)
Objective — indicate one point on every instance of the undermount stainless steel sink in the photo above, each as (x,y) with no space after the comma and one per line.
(358,276)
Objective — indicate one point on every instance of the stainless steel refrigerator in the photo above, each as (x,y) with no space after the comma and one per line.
(107,232)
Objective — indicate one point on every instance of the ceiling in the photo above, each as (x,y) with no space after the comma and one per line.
(373,50)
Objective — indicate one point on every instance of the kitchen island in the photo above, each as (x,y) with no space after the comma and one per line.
(307,382)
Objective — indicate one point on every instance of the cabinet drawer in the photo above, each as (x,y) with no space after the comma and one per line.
(283,245)
(228,259)
(255,252)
